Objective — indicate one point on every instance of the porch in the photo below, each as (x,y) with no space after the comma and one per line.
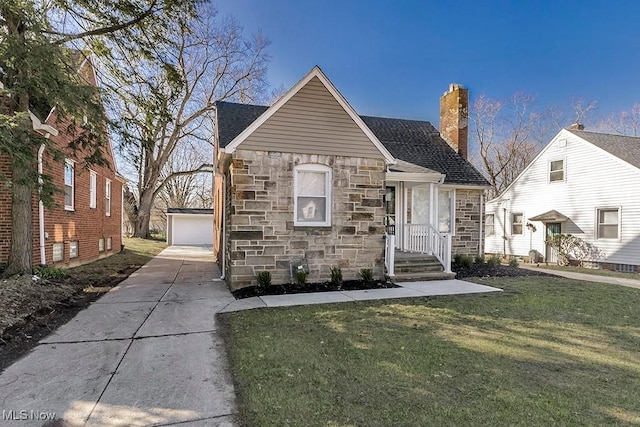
(419,213)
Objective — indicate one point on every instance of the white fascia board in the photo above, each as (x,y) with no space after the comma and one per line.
(466,186)
(414,177)
(188,214)
(38,126)
(315,72)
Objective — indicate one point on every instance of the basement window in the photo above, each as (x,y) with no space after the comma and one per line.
(108,243)
(58,252)
(73,249)
(101,245)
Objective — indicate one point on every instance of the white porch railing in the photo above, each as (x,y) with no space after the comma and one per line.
(389,253)
(426,239)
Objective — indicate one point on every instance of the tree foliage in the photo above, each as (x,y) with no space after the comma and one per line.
(41,49)
(164,106)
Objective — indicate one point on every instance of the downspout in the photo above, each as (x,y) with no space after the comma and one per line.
(223,230)
(43,256)
(481,243)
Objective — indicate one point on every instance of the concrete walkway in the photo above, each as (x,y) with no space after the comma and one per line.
(149,351)
(146,353)
(632,283)
(406,290)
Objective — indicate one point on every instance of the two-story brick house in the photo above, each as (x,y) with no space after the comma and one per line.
(85,221)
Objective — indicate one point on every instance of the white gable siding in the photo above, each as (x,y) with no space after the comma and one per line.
(593,179)
(312,122)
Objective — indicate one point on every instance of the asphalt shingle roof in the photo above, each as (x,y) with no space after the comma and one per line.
(413,141)
(625,147)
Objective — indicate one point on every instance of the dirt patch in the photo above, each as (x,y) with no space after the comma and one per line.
(31,310)
(487,270)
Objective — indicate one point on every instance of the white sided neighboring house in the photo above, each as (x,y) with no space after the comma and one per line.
(582,183)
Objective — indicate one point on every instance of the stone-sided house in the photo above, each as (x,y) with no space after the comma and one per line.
(307,181)
(581,183)
(85,222)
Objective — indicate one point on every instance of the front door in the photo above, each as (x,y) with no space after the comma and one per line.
(553,228)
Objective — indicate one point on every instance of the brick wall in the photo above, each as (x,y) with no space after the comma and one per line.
(467,227)
(260,225)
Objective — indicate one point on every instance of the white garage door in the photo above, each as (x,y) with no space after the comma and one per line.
(192,230)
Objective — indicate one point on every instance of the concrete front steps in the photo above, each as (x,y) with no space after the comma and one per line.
(411,267)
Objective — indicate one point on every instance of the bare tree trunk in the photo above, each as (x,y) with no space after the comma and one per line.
(144,214)
(21,253)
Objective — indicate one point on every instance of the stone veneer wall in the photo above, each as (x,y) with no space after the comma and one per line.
(262,236)
(468,216)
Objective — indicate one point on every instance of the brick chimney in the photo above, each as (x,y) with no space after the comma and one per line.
(454,118)
(576,126)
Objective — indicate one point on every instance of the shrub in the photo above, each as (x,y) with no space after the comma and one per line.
(264,280)
(463,260)
(493,261)
(301,277)
(49,273)
(479,259)
(513,262)
(366,276)
(336,276)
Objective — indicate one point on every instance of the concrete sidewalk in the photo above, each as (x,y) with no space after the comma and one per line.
(632,283)
(146,353)
(406,290)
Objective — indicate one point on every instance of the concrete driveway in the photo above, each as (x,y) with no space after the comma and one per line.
(146,353)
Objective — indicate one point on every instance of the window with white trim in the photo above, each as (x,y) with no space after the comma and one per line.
(107,195)
(556,170)
(312,195)
(489,229)
(58,252)
(69,184)
(101,245)
(608,223)
(73,249)
(109,243)
(516,223)
(93,186)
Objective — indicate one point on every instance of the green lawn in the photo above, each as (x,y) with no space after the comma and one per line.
(545,352)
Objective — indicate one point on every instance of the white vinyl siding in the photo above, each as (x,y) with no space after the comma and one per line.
(107,195)
(312,195)
(312,122)
(608,223)
(595,180)
(93,187)
(69,185)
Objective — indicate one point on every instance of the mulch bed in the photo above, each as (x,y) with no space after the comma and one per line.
(294,288)
(486,270)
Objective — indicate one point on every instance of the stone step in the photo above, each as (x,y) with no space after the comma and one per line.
(418,277)
(417,268)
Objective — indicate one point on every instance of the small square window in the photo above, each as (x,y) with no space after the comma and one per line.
(73,249)
(58,252)
(516,223)
(108,243)
(556,170)
(101,245)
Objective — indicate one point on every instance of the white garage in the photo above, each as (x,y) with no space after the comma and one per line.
(187,226)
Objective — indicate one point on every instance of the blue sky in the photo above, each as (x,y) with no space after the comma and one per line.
(396,58)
